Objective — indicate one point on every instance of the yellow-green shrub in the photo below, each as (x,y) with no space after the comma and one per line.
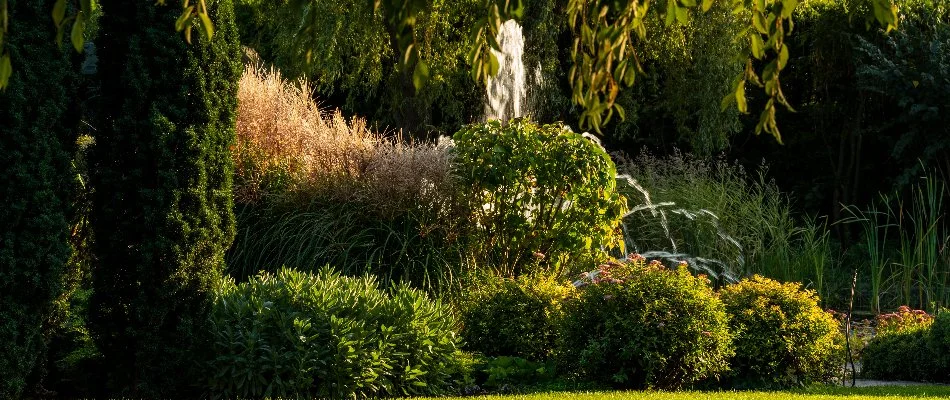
(781,334)
(645,326)
(513,317)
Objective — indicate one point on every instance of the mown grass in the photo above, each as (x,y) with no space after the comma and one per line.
(816,393)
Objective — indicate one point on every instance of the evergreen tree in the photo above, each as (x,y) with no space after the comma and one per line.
(162,208)
(34,170)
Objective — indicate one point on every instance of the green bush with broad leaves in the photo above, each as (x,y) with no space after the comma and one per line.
(782,336)
(513,317)
(917,352)
(294,334)
(538,195)
(641,325)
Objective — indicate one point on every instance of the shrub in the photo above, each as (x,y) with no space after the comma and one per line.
(513,317)
(782,336)
(162,205)
(294,334)
(901,355)
(35,125)
(536,191)
(916,351)
(646,327)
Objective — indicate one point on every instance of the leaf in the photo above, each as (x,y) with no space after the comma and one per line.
(206,23)
(79,26)
(6,69)
(788,7)
(59,12)
(688,3)
(727,101)
(758,21)
(707,4)
(740,97)
(682,15)
(758,46)
(184,18)
(493,65)
(783,57)
(670,12)
(421,75)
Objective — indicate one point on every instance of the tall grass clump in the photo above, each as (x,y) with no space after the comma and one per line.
(715,212)
(905,236)
(314,188)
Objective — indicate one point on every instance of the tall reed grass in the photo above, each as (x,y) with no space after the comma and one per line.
(314,188)
(905,240)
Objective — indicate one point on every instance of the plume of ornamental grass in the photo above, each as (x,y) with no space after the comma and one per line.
(287,146)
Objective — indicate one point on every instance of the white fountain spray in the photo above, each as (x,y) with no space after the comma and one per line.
(507,90)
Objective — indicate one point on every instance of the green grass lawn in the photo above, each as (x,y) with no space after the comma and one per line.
(817,393)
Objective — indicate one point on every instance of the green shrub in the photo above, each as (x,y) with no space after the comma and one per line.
(646,327)
(35,129)
(294,334)
(901,355)
(916,352)
(162,206)
(536,192)
(513,317)
(782,336)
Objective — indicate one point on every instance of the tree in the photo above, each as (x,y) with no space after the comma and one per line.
(35,128)
(603,53)
(162,209)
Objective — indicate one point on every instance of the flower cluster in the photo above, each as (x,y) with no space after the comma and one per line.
(903,319)
(614,271)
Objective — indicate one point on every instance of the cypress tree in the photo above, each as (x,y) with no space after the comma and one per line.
(162,208)
(35,119)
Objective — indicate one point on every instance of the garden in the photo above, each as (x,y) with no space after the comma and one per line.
(542,199)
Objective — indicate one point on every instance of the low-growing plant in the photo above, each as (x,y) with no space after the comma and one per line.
(782,336)
(645,326)
(901,355)
(294,334)
(537,195)
(512,317)
(903,319)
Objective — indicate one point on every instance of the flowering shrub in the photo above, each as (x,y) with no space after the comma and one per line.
(918,351)
(904,319)
(641,325)
(782,336)
(513,317)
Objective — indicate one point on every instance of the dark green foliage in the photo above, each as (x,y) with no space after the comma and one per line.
(35,132)
(351,57)
(411,245)
(299,335)
(782,336)
(538,195)
(898,356)
(920,353)
(512,317)
(655,328)
(162,203)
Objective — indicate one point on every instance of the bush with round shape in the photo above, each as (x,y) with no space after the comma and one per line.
(294,334)
(646,327)
(513,317)
(782,336)
(537,195)
(916,352)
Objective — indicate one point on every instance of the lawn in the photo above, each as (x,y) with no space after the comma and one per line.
(818,393)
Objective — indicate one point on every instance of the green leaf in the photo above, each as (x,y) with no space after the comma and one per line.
(727,101)
(206,23)
(740,97)
(59,12)
(783,57)
(788,7)
(421,75)
(6,69)
(670,12)
(79,26)
(184,18)
(758,46)
(758,21)
(682,15)
(493,65)
(707,4)
(688,3)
